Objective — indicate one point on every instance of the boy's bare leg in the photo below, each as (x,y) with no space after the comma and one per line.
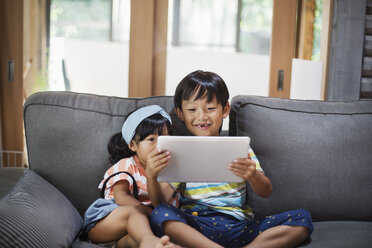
(185,235)
(280,236)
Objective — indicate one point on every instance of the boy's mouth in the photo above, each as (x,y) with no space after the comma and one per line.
(202,126)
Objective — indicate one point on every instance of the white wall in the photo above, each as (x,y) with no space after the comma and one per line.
(243,73)
(97,67)
(102,67)
(306,80)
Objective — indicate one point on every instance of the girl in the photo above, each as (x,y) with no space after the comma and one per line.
(122,213)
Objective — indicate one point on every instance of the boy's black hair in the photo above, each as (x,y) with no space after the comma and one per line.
(118,148)
(203,83)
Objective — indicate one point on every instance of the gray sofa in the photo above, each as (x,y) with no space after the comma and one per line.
(317,154)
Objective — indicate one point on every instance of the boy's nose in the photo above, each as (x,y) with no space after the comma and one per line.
(202,115)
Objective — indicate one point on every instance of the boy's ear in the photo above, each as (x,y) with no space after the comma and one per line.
(226,110)
(179,114)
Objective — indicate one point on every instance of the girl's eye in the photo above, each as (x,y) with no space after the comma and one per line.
(151,139)
(211,108)
(191,110)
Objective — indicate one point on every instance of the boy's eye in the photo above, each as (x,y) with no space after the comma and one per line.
(151,139)
(191,109)
(211,108)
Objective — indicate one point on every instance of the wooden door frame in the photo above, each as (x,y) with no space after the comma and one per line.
(284,46)
(148,48)
(11,91)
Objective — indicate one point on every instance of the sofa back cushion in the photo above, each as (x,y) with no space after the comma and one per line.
(317,154)
(67,135)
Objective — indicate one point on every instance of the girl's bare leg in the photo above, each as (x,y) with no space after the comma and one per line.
(122,221)
(126,242)
(280,236)
(185,235)
(112,227)
(129,242)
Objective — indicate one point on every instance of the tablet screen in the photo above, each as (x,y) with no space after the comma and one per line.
(202,158)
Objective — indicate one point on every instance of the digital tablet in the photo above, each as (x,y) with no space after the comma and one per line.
(201,158)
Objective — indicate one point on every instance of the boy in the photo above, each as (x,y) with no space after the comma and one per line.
(216,214)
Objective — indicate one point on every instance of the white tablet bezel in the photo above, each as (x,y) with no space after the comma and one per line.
(202,158)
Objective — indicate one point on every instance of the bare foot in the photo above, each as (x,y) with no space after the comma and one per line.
(155,242)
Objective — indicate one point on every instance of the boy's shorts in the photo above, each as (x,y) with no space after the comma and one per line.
(225,229)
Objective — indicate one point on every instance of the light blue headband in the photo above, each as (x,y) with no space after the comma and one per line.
(129,127)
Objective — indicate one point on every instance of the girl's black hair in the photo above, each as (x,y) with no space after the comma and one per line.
(154,124)
(205,84)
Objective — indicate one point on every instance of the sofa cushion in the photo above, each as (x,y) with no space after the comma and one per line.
(87,244)
(9,176)
(36,214)
(340,234)
(317,154)
(67,135)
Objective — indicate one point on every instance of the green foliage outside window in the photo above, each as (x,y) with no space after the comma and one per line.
(83,19)
(255,26)
(317,30)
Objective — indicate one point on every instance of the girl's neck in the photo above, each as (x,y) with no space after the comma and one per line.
(138,162)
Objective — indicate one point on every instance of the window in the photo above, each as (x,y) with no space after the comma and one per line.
(82,19)
(255,26)
(241,25)
(89,46)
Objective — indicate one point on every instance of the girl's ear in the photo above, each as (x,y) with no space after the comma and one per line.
(179,114)
(132,146)
(226,110)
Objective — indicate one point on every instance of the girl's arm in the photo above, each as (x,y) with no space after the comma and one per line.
(123,196)
(158,192)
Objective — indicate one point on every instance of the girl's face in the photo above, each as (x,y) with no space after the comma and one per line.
(145,146)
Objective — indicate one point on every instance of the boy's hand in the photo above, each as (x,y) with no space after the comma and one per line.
(244,168)
(156,161)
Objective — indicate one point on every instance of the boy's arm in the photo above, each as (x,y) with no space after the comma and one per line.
(260,184)
(246,169)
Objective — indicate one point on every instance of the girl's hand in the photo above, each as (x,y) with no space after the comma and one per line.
(158,192)
(244,168)
(156,161)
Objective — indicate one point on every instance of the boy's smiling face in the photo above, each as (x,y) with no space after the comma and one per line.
(203,118)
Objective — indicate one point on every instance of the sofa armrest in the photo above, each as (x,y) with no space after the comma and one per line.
(35,214)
